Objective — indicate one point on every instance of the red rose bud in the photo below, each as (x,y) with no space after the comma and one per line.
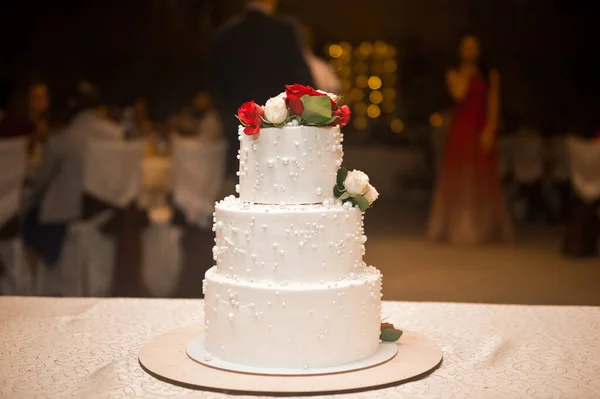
(343,116)
(294,104)
(250,115)
(386,325)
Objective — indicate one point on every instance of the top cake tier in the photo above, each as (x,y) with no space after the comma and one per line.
(290,165)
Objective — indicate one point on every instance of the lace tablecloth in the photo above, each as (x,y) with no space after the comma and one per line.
(87,348)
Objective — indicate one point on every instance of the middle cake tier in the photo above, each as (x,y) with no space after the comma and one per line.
(288,243)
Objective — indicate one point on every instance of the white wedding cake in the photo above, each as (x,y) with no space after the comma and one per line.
(290,289)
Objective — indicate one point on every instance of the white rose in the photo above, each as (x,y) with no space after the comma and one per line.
(371,195)
(334,97)
(356,182)
(276,111)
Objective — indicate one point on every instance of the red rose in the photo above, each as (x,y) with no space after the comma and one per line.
(386,325)
(294,104)
(294,93)
(343,116)
(250,115)
(300,90)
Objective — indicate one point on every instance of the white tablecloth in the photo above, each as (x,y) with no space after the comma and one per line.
(87,348)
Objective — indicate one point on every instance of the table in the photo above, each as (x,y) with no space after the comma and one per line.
(87,347)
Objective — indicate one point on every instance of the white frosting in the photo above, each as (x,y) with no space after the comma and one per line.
(290,288)
(293,165)
(296,326)
(288,244)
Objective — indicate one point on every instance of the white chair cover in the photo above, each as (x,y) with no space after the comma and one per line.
(87,259)
(13,166)
(198,173)
(584,162)
(17,279)
(162,259)
(111,173)
(527,158)
(112,170)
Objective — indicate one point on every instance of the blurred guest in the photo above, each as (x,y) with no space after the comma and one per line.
(27,112)
(200,119)
(57,192)
(253,57)
(469,205)
(322,72)
(136,119)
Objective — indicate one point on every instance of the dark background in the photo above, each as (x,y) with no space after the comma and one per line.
(546,50)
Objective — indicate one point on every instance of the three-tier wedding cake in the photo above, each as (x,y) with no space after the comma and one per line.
(290,288)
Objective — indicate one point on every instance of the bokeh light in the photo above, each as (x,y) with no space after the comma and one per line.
(361,68)
(389,93)
(345,71)
(357,94)
(345,85)
(373,111)
(380,47)
(360,122)
(362,81)
(368,78)
(376,97)
(436,119)
(360,108)
(337,64)
(390,65)
(347,47)
(374,82)
(366,48)
(335,50)
(397,126)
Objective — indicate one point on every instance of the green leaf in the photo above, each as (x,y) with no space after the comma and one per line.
(326,122)
(317,109)
(337,193)
(390,335)
(341,176)
(362,202)
(345,196)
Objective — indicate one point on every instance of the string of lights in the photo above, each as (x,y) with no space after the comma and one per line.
(368,81)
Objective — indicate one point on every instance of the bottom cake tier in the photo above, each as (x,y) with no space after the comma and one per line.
(293,326)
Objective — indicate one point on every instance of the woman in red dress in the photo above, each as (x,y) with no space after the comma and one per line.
(469,206)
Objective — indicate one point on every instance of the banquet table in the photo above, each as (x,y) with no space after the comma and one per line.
(88,348)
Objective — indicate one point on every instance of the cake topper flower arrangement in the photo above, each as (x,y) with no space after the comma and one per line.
(298,105)
(354,187)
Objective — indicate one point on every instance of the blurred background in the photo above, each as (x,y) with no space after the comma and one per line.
(150,61)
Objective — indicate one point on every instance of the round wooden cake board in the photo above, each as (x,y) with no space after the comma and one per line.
(166,359)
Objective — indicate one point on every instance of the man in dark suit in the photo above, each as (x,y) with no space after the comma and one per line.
(253,57)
